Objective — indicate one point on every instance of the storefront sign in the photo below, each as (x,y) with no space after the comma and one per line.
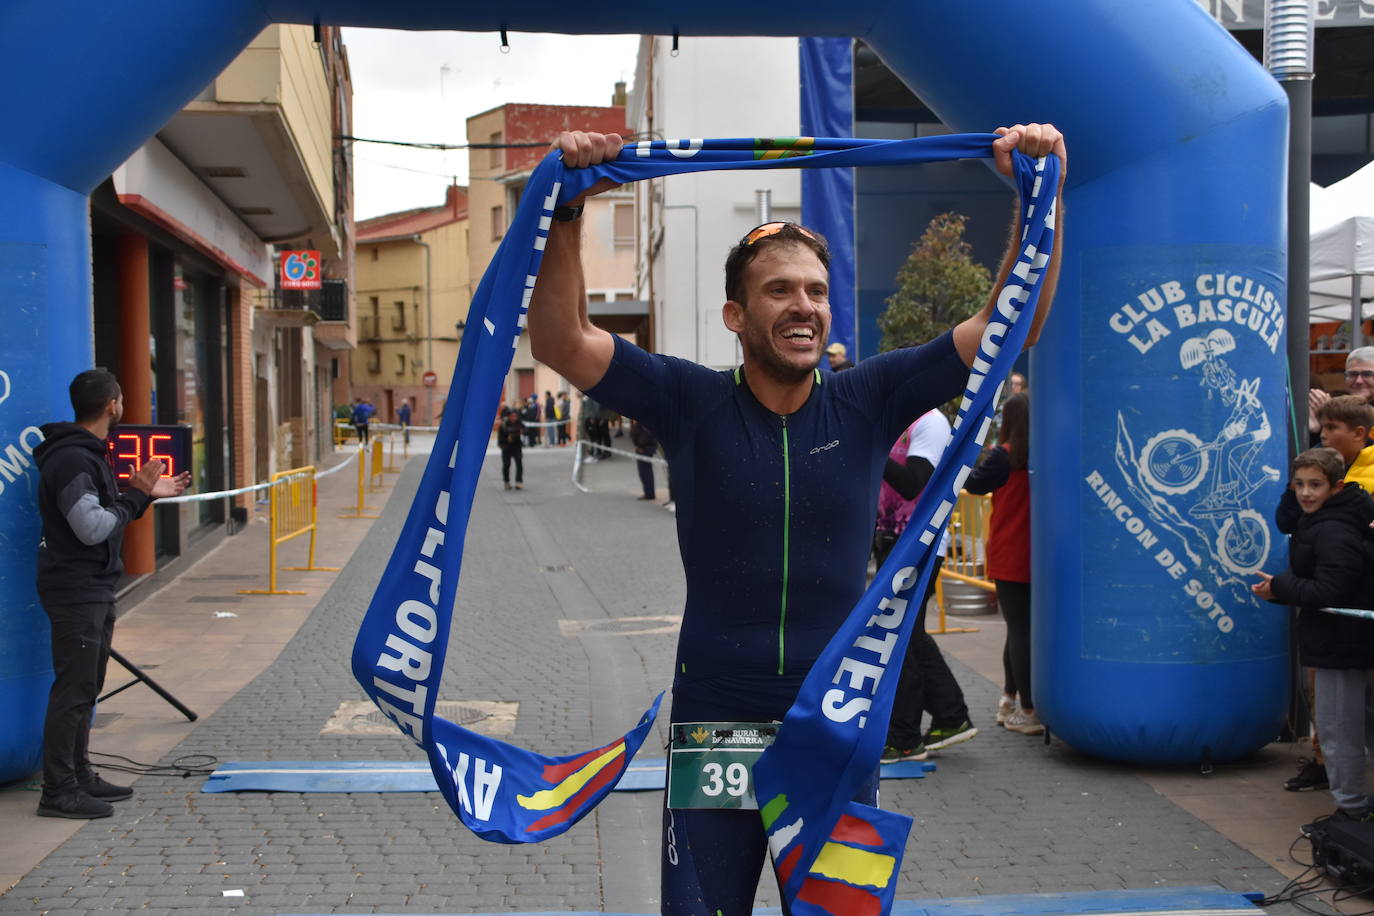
(300,270)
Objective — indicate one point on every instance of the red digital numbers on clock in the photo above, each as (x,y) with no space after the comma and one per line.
(130,451)
(168,462)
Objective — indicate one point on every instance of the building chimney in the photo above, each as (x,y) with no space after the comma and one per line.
(618,97)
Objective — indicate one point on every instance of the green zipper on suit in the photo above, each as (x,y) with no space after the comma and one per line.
(786,537)
(786,522)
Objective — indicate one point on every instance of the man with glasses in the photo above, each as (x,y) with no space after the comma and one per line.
(1359,379)
(776,467)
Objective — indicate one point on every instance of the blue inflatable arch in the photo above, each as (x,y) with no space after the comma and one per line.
(1159,383)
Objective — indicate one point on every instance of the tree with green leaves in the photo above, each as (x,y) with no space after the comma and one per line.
(938,286)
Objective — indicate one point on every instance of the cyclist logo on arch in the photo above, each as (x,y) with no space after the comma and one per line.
(1201,487)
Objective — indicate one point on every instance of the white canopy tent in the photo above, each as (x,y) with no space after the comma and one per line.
(1342,250)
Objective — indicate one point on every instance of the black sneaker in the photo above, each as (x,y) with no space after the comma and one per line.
(96,787)
(937,738)
(893,754)
(1311,776)
(1353,815)
(73,803)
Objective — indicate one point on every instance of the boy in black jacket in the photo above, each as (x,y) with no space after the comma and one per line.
(1331,565)
(84,515)
(509,430)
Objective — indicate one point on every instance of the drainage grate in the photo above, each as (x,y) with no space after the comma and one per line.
(493,718)
(458,713)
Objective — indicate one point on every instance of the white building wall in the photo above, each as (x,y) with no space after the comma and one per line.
(715,87)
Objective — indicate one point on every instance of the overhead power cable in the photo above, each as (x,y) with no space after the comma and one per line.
(443,146)
(532,144)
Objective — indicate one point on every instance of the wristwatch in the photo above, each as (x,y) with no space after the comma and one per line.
(567,214)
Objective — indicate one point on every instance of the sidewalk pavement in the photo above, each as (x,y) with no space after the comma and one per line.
(567,607)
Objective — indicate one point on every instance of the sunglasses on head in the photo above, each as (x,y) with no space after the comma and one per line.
(767,229)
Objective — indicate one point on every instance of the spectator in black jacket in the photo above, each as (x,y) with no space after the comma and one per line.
(645,444)
(84,515)
(1331,565)
(530,414)
(509,432)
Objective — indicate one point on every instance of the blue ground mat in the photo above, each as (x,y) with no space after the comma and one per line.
(414,776)
(1177,901)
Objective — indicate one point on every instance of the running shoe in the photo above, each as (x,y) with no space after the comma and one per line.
(1027,723)
(1005,707)
(97,787)
(938,738)
(894,754)
(1311,775)
(74,804)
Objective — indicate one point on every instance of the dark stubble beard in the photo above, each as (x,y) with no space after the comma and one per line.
(762,355)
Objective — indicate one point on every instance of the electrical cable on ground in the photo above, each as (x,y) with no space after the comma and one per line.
(185,766)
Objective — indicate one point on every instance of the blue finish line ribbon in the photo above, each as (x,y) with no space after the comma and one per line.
(835,730)
(833,855)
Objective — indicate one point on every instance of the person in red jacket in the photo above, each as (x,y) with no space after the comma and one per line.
(1002,472)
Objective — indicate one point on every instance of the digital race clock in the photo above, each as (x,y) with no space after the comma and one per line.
(131,447)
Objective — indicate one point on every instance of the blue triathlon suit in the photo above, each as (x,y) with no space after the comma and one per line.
(775,520)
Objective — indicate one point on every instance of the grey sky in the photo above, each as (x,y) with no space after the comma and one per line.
(422,86)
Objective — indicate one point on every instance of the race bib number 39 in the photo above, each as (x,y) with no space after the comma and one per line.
(710,764)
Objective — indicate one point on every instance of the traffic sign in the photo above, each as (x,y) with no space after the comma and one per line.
(431,378)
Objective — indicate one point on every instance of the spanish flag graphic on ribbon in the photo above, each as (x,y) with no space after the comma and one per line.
(510,795)
(855,872)
(832,855)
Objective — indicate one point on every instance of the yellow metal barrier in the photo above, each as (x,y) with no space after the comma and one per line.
(343,431)
(292,511)
(392,440)
(966,561)
(361,511)
(377,476)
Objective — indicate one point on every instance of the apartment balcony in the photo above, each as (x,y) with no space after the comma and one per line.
(260,138)
(302,307)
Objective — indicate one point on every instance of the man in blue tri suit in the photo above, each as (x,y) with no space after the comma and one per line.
(776,468)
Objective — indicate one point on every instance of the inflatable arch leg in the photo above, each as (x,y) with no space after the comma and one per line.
(1160,378)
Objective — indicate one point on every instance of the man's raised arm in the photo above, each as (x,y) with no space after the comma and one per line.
(1035,140)
(562,337)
